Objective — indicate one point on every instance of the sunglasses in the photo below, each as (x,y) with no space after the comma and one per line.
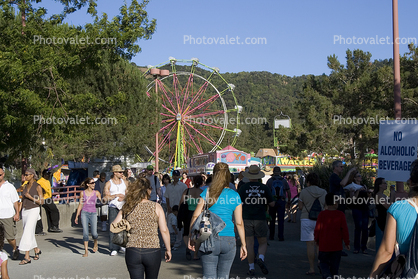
(118,171)
(2,174)
(91,182)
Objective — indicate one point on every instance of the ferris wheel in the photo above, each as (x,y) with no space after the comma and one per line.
(196,107)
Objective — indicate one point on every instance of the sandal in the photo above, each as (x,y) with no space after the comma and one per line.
(37,255)
(25,261)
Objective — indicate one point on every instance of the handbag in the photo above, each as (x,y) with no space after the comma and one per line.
(121,231)
(394,268)
(205,227)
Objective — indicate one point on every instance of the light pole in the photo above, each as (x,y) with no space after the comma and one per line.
(157,73)
(396,73)
(396,62)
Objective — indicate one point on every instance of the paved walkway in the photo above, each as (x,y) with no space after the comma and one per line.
(61,257)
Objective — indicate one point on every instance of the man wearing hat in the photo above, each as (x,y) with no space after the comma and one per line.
(114,195)
(267,172)
(256,197)
(173,195)
(154,182)
(280,188)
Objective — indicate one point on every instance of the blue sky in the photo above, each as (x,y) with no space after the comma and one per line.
(298,35)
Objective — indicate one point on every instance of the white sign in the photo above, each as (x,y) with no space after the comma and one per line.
(397,149)
(281,122)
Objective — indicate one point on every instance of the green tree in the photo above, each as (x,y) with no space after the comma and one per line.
(38,79)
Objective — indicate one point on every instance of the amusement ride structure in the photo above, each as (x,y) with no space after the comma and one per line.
(196,110)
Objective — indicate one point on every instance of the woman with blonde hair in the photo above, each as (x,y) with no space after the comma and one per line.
(143,254)
(223,202)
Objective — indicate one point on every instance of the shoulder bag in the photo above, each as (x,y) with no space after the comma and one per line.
(121,230)
(205,227)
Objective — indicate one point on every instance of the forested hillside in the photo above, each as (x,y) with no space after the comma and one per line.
(67,81)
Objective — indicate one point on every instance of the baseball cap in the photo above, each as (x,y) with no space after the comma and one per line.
(150,167)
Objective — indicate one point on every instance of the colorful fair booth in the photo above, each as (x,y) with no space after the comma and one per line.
(237,161)
(269,158)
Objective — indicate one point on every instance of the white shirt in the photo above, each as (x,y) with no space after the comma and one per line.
(171,220)
(174,193)
(8,196)
(265,178)
(117,189)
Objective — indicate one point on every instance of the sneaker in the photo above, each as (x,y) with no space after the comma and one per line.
(16,254)
(55,230)
(263,266)
(251,272)
(188,255)
(114,253)
(122,250)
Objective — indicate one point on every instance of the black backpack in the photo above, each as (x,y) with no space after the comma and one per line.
(316,208)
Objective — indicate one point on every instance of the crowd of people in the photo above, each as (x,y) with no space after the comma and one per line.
(164,212)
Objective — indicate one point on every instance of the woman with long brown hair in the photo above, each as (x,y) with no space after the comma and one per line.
(223,202)
(87,209)
(145,217)
(400,225)
(32,198)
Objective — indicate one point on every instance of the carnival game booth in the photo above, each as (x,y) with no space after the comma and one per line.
(269,158)
(237,161)
(288,164)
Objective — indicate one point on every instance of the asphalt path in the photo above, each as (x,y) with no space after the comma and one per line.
(62,258)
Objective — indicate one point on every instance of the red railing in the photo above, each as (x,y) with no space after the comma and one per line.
(63,193)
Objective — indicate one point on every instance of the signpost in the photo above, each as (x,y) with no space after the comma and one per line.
(397,149)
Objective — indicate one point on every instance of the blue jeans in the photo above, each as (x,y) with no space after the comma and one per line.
(217,264)
(361,223)
(140,261)
(86,218)
(329,263)
(278,209)
(113,212)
